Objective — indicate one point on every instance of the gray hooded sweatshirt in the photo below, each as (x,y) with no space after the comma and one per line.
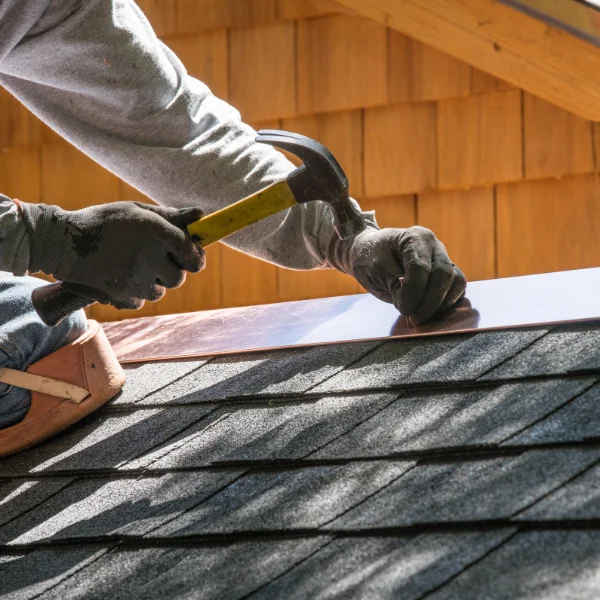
(96,73)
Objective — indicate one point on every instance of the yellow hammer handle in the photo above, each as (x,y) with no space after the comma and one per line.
(273,199)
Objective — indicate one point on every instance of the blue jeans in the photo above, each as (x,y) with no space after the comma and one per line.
(24,339)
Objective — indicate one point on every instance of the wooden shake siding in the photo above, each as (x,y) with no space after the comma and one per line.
(507,181)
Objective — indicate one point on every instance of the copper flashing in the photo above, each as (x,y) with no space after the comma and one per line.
(566,296)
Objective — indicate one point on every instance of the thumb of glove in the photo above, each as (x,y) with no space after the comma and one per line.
(179,217)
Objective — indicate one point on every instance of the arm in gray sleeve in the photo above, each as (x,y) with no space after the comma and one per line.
(14,245)
(98,75)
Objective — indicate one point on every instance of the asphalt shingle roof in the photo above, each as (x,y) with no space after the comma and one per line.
(462,466)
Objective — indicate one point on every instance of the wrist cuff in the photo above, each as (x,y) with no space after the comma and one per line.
(50,249)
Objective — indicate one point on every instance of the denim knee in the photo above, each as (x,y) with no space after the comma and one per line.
(25,339)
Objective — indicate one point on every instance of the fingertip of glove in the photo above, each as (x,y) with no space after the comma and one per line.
(407,307)
(186,216)
(128,304)
(179,217)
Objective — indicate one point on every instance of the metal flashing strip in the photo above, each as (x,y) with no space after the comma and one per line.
(562,297)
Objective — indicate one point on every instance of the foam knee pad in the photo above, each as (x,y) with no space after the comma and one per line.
(88,362)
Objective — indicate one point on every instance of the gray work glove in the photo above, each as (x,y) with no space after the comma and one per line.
(127,252)
(377,259)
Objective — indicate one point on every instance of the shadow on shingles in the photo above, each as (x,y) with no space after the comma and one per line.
(297,499)
(201,444)
(225,571)
(30,520)
(152,428)
(529,565)
(444,420)
(268,432)
(145,511)
(127,513)
(18,496)
(277,372)
(101,441)
(486,564)
(38,571)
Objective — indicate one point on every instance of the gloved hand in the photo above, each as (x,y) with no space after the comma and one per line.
(377,259)
(127,252)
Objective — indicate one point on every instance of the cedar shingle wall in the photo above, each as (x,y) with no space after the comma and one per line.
(507,181)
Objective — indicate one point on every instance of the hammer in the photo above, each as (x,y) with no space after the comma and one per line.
(320,177)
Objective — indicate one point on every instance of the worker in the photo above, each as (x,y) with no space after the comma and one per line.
(96,73)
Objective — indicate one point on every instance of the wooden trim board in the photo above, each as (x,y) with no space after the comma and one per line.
(567,296)
(502,41)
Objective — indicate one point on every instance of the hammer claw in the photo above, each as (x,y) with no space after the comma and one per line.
(320,178)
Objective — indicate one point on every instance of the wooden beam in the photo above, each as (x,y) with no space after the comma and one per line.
(550,63)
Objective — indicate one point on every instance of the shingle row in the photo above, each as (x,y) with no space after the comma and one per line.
(499,564)
(538,485)
(362,425)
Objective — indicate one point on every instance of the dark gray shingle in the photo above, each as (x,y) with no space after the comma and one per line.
(565,350)
(18,496)
(578,499)
(104,441)
(467,491)
(562,565)
(231,571)
(436,419)
(432,360)
(269,432)
(146,378)
(576,421)
(277,372)
(117,574)
(382,568)
(41,570)
(96,507)
(293,499)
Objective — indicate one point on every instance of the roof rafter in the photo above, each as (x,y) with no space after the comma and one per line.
(502,41)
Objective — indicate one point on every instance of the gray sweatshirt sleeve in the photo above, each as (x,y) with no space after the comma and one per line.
(97,74)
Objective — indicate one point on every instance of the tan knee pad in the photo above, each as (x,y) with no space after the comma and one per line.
(90,363)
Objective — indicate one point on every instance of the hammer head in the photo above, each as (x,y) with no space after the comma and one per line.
(319,178)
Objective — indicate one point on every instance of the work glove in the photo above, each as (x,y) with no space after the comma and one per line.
(124,252)
(378,259)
